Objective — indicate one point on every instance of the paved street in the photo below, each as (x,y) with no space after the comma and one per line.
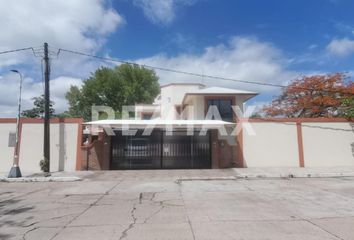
(156,205)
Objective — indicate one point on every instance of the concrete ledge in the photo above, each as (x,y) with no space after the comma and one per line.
(39,179)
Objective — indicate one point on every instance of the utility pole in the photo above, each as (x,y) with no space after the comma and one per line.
(46,144)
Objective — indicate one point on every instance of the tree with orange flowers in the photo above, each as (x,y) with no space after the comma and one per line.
(329,95)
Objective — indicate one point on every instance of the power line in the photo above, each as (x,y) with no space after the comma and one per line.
(187,73)
(168,69)
(18,50)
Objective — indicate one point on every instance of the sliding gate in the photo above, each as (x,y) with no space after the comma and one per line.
(160,151)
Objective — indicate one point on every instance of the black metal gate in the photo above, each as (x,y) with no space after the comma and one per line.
(160,151)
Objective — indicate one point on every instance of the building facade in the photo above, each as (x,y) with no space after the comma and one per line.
(189,126)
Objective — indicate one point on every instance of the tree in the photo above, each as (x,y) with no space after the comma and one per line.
(38,110)
(113,87)
(348,107)
(314,96)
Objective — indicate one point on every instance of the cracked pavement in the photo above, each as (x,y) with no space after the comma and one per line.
(156,205)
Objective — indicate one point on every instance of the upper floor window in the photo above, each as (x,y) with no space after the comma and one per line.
(146,116)
(224,106)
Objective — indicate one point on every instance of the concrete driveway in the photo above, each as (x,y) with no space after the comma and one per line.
(155,205)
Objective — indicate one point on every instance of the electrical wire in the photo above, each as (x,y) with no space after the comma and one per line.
(36,51)
(187,73)
(17,50)
(167,69)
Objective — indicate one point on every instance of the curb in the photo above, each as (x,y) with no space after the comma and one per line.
(294,175)
(39,179)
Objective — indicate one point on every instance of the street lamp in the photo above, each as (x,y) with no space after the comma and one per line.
(15,169)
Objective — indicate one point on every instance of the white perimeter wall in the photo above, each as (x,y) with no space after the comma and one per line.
(6,153)
(63,147)
(325,144)
(328,144)
(273,145)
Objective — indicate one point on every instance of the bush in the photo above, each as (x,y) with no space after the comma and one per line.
(44,164)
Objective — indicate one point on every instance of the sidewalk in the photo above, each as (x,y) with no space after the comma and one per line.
(185,174)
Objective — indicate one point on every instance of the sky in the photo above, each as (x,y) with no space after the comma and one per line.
(273,41)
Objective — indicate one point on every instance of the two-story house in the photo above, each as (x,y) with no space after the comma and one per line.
(188,126)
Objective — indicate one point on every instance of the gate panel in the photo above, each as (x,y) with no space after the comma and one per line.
(178,151)
(136,152)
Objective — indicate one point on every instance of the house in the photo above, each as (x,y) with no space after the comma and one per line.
(188,126)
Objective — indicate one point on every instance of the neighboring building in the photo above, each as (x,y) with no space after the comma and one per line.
(183,107)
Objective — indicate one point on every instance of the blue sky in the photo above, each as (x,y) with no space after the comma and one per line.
(293,26)
(270,41)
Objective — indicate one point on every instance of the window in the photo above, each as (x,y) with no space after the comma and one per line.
(224,106)
(146,116)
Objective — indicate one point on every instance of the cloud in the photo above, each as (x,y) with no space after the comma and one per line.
(161,11)
(81,25)
(255,108)
(341,47)
(242,58)
(31,88)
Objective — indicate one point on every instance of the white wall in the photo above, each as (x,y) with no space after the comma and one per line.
(199,105)
(325,144)
(173,95)
(328,144)
(6,152)
(273,145)
(63,147)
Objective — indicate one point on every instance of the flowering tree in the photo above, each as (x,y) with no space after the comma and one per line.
(315,96)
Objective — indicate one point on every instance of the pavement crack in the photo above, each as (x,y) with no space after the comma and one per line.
(140,198)
(131,225)
(30,230)
(184,204)
(323,229)
(155,213)
(85,210)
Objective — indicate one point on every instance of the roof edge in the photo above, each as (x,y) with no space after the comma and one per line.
(188,84)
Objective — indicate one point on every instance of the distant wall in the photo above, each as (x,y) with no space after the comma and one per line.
(6,153)
(65,141)
(298,143)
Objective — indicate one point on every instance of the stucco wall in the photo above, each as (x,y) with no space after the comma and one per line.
(273,145)
(6,152)
(328,144)
(65,135)
(63,146)
(198,104)
(173,95)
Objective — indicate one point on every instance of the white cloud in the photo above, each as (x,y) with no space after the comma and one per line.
(161,11)
(242,58)
(341,47)
(255,108)
(81,25)
(31,88)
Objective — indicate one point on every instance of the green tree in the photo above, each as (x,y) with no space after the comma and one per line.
(38,110)
(348,107)
(113,87)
